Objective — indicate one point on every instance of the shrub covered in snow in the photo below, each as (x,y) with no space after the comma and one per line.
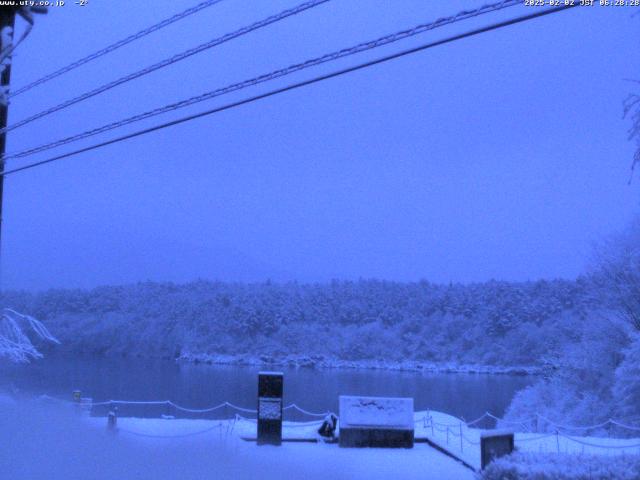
(579,389)
(626,387)
(538,466)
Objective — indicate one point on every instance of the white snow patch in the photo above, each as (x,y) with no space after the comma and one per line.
(376,411)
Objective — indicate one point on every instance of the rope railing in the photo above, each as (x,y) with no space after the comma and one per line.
(472,442)
(511,422)
(437,427)
(534,439)
(595,445)
(447,431)
(307,412)
(451,425)
(427,421)
(130,402)
(485,415)
(198,410)
(173,404)
(478,420)
(177,435)
(450,429)
(525,423)
(240,417)
(242,409)
(626,427)
(453,432)
(303,424)
(587,428)
(292,406)
(573,427)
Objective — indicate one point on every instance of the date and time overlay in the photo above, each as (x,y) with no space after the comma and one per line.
(526,3)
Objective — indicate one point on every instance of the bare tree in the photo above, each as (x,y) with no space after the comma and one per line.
(632,112)
(15,344)
(618,264)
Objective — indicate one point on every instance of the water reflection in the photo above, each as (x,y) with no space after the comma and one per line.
(201,386)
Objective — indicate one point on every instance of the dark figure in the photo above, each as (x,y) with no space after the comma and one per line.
(328,427)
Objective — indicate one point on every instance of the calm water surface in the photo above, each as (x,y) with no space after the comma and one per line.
(202,386)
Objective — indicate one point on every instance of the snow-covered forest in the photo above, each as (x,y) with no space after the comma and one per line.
(492,323)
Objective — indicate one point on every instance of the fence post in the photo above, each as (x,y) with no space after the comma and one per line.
(77,397)
(461,448)
(112,418)
(431,422)
(558,440)
(447,434)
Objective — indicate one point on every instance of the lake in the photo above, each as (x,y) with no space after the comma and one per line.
(201,386)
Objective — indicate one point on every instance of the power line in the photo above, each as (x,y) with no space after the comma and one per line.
(116,45)
(361,47)
(295,86)
(168,61)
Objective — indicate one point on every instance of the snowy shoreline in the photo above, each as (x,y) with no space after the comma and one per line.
(326,363)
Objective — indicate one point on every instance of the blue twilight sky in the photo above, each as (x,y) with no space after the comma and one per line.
(499,156)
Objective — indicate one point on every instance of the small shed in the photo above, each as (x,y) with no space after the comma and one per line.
(376,422)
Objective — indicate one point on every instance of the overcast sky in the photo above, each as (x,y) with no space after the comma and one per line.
(499,156)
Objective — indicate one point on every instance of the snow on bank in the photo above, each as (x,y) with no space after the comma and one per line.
(322,362)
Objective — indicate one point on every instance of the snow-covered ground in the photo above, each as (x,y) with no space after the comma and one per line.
(48,441)
(442,429)
(51,440)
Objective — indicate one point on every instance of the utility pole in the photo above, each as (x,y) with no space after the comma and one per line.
(7,22)
(7,27)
